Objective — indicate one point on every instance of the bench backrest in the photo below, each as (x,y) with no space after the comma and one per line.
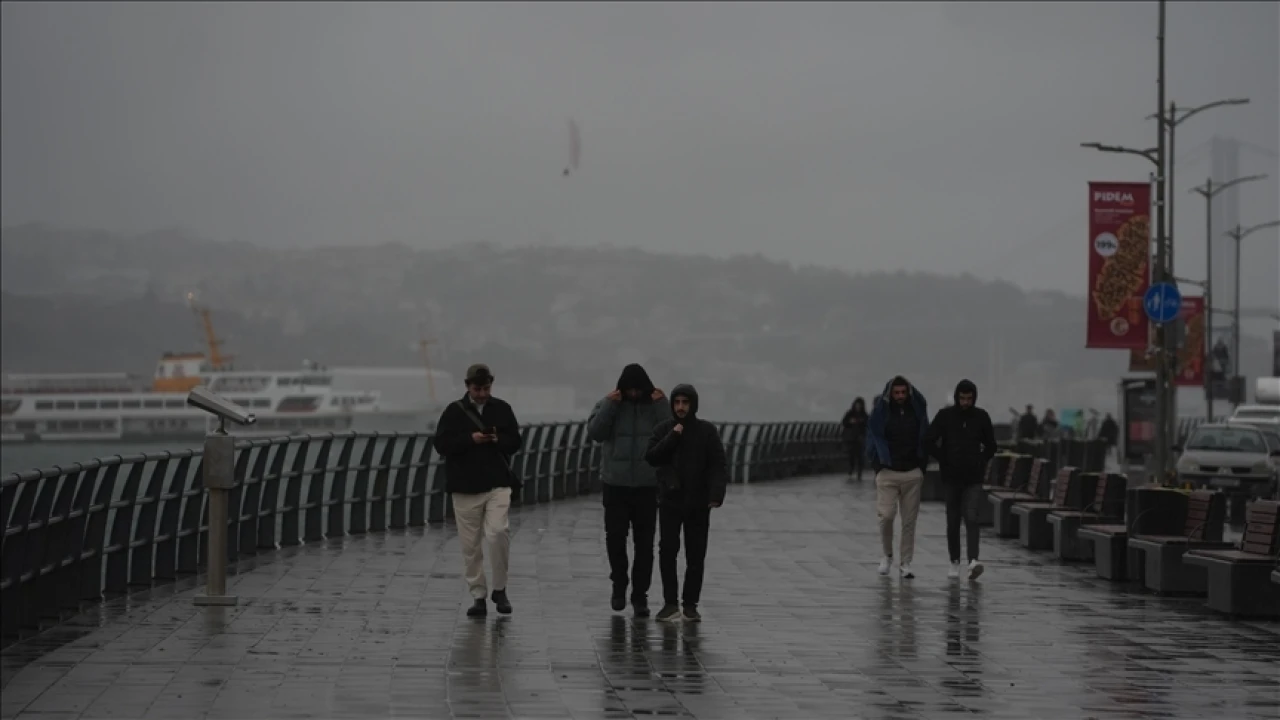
(1108,494)
(1261,532)
(1033,482)
(1062,485)
(1199,503)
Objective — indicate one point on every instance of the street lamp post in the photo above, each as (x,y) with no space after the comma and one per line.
(1238,235)
(1209,192)
(1170,123)
(1159,273)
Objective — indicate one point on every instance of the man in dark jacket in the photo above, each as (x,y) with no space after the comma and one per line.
(623,421)
(477,436)
(692,479)
(963,439)
(1028,425)
(895,446)
(854,433)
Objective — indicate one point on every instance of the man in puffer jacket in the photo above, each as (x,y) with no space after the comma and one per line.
(623,421)
(964,441)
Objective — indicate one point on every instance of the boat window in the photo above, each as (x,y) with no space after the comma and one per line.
(44,405)
(110,404)
(152,404)
(87,405)
(130,404)
(65,405)
(178,404)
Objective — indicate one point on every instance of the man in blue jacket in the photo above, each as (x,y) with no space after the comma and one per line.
(896,449)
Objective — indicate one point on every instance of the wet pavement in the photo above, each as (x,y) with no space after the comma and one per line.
(797,625)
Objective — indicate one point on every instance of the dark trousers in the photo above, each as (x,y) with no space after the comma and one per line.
(962,502)
(857,458)
(635,510)
(696,523)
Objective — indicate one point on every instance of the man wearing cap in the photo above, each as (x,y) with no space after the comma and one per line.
(477,436)
(623,420)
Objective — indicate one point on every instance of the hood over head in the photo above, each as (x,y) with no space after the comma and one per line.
(685,390)
(634,377)
(897,380)
(967,387)
(859,404)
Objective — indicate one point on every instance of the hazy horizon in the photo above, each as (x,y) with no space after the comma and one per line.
(866,137)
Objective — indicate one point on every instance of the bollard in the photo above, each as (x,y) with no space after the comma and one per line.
(219,479)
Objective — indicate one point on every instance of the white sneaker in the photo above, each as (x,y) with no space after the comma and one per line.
(975,569)
(885,564)
(905,569)
(954,571)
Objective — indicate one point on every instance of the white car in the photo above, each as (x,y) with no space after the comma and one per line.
(1261,415)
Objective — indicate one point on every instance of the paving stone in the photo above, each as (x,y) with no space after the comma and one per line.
(797,624)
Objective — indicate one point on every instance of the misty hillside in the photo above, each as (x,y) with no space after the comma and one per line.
(760,338)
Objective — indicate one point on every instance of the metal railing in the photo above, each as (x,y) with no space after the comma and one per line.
(102,529)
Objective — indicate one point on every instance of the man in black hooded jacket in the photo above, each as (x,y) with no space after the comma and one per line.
(963,440)
(692,479)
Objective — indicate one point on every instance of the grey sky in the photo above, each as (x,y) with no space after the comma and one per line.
(864,136)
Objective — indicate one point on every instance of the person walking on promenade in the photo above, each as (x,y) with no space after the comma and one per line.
(623,421)
(692,480)
(854,434)
(477,436)
(963,440)
(895,444)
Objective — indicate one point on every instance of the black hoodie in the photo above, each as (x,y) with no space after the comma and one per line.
(962,439)
(692,471)
(634,377)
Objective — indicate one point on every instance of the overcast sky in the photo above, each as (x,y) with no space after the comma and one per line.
(865,136)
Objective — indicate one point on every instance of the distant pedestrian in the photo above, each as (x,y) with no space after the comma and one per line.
(895,444)
(692,479)
(1109,435)
(477,436)
(623,421)
(1028,425)
(854,434)
(962,438)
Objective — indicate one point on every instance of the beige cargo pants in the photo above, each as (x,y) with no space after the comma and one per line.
(893,490)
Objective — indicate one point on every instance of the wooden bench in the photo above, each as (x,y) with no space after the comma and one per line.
(1107,507)
(1238,582)
(1006,525)
(1164,511)
(1162,553)
(997,476)
(1068,490)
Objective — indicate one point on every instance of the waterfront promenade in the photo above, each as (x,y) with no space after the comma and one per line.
(797,625)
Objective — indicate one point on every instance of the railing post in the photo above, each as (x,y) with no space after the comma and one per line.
(219,478)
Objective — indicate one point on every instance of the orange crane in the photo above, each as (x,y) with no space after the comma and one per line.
(217,361)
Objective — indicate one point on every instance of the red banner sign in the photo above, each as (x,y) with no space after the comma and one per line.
(1119,258)
(1191,355)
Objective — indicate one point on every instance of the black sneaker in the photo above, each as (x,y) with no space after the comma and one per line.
(691,613)
(500,600)
(669,613)
(640,606)
(478,608)
(619,601)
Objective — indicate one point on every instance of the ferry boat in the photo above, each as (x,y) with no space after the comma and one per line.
(118,407)
(108,407)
